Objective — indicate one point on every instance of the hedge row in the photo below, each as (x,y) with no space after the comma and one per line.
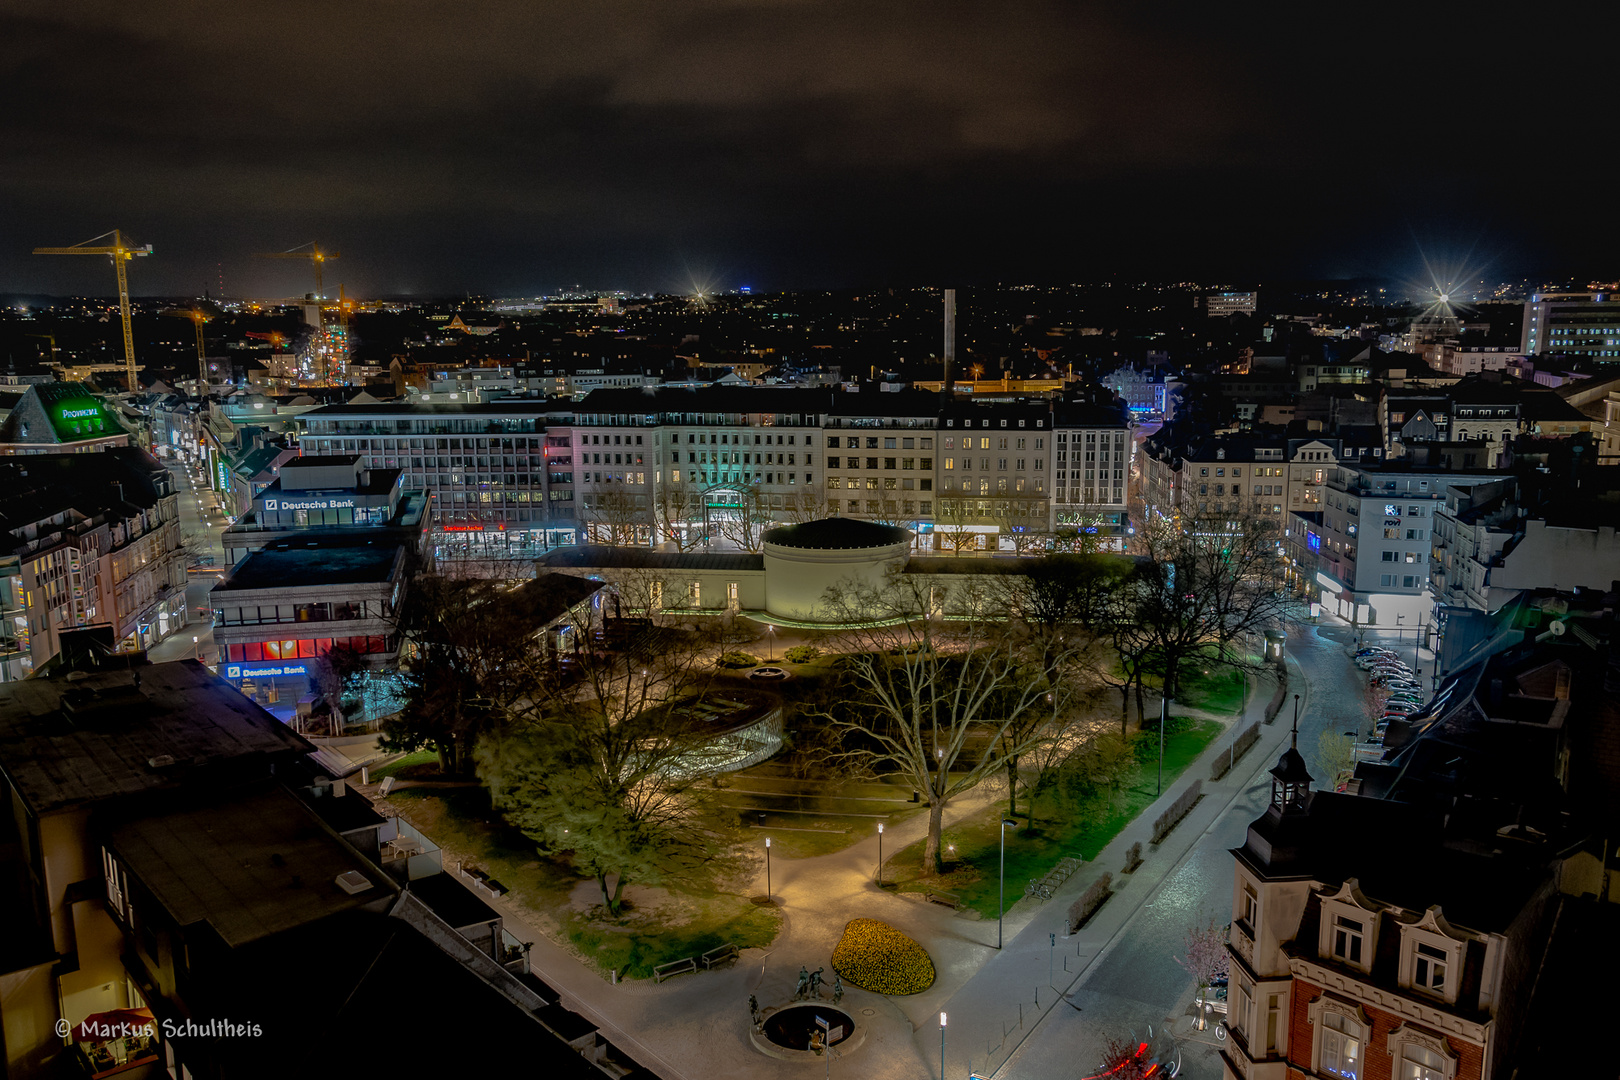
(1178,810)
(1089,901)
(1274,706)
(1246,738)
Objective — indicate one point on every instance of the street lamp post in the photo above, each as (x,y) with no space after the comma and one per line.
(880,856)
(941,1046)
(1001,902)
(1164,714)
(767,868)
(770,638)
(196,649)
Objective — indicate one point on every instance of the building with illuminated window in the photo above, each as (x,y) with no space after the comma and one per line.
(88,541)
(1572,324)
(61,418)
(1436,921)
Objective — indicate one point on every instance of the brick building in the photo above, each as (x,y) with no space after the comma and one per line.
(1429,924)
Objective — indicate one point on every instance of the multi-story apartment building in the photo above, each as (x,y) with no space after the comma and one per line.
(1091,476)
(90,541)
(718,463)
(1572,324)
(1471,528)
(1428,924)
(1230,303)
(176,870)
(499,482)
(1377,538)
(1229,474)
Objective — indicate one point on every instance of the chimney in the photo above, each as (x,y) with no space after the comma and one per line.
(950,336)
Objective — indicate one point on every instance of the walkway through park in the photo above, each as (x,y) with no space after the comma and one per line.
(696,1026)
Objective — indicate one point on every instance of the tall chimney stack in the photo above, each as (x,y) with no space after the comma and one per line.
(950,336)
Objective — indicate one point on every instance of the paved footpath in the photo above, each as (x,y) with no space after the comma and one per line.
(696,1026)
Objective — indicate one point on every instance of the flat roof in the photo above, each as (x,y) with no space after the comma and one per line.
(104,744)
(452,901)
(249,864)
(610,556)
(289,564)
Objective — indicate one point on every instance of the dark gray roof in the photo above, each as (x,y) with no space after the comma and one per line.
(247,864)
(837,534)
(105,743)
(586,556)
(352,561)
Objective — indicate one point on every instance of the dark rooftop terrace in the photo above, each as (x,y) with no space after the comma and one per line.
(115,739)
(313,562)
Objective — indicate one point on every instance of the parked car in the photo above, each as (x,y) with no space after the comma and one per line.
(1405,708)
(1397,685)
(1373,650)
(1373,660)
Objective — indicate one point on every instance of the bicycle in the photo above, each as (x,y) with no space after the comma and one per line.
(1038,888)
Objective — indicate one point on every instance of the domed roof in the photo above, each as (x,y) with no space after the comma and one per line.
(837,534)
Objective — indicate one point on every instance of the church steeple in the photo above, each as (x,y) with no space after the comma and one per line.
(1290,779)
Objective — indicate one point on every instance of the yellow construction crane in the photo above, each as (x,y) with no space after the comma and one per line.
(197,316)
(317,258)
(121,253)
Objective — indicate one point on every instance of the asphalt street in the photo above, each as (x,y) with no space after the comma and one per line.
(201,523)
(1136,982)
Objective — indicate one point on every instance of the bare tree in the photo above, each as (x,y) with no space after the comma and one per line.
(946,702)
(955,525)
(677,511)
(746,525)
(808,505)
(1205,582)
(618,517)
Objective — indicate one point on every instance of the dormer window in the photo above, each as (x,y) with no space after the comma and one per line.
(1349,936)
(1429,967)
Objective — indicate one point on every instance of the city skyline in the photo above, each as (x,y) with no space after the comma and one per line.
(513,150)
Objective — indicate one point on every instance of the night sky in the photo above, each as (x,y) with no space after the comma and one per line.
(512,148)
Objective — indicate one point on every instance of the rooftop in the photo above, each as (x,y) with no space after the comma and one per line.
(247,864)
(613,556)
(115,738)
(837,534)
(346,560)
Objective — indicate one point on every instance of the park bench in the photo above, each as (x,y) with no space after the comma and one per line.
(725,952)
(937,896)
(674,967)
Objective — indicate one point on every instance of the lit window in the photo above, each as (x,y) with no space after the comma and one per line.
(1347,938)
(1341,1046)
(1421,1063)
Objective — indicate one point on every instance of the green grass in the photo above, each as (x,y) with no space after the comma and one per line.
(716,920)
(1032,851)
(691,922)
(1212,685)
(413,760)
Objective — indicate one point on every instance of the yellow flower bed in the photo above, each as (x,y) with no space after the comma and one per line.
(875,956)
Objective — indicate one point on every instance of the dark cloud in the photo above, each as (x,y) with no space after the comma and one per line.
(519,146)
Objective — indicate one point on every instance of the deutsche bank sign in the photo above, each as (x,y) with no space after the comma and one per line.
(307,504)
(253,671)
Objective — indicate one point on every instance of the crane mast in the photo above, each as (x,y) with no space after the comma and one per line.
(121,253)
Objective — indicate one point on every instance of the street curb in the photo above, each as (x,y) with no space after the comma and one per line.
(1264,751)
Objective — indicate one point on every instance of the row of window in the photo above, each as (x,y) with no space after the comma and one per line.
(872,462)
(871,483)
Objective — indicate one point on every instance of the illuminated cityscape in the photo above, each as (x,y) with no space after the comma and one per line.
(734,501)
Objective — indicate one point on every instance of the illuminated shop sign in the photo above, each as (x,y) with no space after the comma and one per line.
(255,671)
(80,414)
(308,504)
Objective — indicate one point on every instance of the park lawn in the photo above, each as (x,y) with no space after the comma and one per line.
(1082,831)
(462,823)
(1211,685)
(418,761)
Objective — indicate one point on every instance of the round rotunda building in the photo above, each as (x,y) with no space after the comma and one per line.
(803,561)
